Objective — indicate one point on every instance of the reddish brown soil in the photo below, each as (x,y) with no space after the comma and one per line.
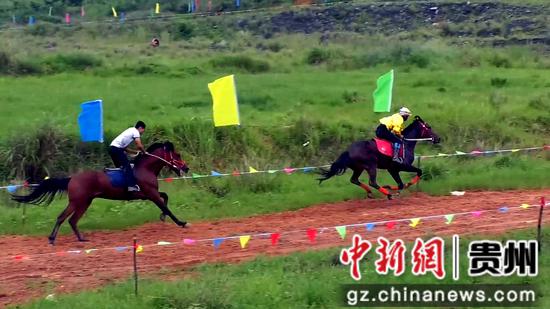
(43,272)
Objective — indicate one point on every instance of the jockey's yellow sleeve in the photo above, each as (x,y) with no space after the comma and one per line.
(394,123)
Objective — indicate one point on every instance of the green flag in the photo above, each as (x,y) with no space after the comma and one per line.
(382,94)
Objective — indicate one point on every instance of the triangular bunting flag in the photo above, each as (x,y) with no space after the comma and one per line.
(342,231)
(289,170)
(236,173)
(503,209)
(390,225)
(476,213)
(308,169)
(121,248)
(215,174)
(370,226)
(217,242)
(89,250)
(442,154)
(11,189)
(515,150)
(139,249)
(449,218)
(187,241)
(275,238)
(193,175)
(244,240)
(524,206)
(74,251)
(414,222)
(163,243)
(460,152)
(272,171)
(252,170)
(169,179)
(311,234)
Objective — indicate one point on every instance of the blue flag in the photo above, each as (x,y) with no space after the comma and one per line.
(90,121)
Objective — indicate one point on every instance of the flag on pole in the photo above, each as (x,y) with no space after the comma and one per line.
(225,105)
(157,8)
(82,12)
(114,11)
(382,94)
(50,11)
(90,121)
(67,18)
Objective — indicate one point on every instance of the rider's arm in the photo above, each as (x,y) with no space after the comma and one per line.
(140,145)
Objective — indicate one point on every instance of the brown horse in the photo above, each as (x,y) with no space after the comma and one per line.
(364,156)
(83,187)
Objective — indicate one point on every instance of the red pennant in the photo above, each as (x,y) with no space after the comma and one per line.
(61,253)
(169,179)
(26,184)
(236,173)
(390,225)
(19,257)
(289,170)
(275,238)
(547,147)
(311,234)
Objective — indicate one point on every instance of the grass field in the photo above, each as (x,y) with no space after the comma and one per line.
(302,280)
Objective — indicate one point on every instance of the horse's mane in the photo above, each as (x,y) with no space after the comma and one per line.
(167,145)
(413,124)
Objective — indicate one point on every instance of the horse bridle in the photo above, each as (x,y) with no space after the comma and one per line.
(424,129)
(165,160)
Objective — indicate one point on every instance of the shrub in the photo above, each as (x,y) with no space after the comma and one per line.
(317,56)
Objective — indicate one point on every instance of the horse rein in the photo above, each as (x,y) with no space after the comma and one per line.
(423,126)
(165,161)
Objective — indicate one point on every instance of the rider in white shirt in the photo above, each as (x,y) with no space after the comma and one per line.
(120,145)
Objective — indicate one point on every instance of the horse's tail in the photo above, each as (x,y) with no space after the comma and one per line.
(337,168)
(44,192)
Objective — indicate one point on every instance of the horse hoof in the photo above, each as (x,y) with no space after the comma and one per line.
(390,197)
(51,242)
(185,225)
(163,217)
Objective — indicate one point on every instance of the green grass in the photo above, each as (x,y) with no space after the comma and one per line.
(215,198)
(300,280)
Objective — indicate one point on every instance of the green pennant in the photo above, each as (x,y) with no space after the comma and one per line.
(449,218)
(342,231)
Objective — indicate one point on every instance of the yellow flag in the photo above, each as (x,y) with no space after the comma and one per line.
(114,11)
(224,97)
(524,206)
(157,8)
(252,170)
(139,249)
(414,222)
(244,240)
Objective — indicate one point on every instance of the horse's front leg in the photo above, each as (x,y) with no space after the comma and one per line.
(395,175)
(156,197)
(165,198)
(412,169)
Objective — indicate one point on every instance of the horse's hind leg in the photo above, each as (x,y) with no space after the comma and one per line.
(69,210)
(165,198)
(355,180)
(372,181)
(78,213)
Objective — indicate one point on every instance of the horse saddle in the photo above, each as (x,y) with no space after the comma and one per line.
(116,176)
(386,147)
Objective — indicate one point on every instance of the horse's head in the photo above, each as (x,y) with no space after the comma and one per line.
(171,158)
(426,130)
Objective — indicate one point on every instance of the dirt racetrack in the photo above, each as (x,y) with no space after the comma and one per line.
(44,270)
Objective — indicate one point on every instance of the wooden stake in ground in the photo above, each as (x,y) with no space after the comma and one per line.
(135,268)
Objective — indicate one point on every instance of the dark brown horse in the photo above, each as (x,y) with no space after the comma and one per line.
(364,155)
(83,187)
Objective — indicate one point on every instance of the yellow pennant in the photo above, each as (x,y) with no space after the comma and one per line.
(114,11)
(244,240)
(157,8)
(252,170)
(524,206)
(414,222)
(139,249)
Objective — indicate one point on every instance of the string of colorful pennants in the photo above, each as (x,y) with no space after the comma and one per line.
(310,233)
(291,170)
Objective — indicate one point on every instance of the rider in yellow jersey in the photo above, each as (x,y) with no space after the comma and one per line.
(390,129)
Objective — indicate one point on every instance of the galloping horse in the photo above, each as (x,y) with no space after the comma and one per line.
(83,187)
(364,155)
